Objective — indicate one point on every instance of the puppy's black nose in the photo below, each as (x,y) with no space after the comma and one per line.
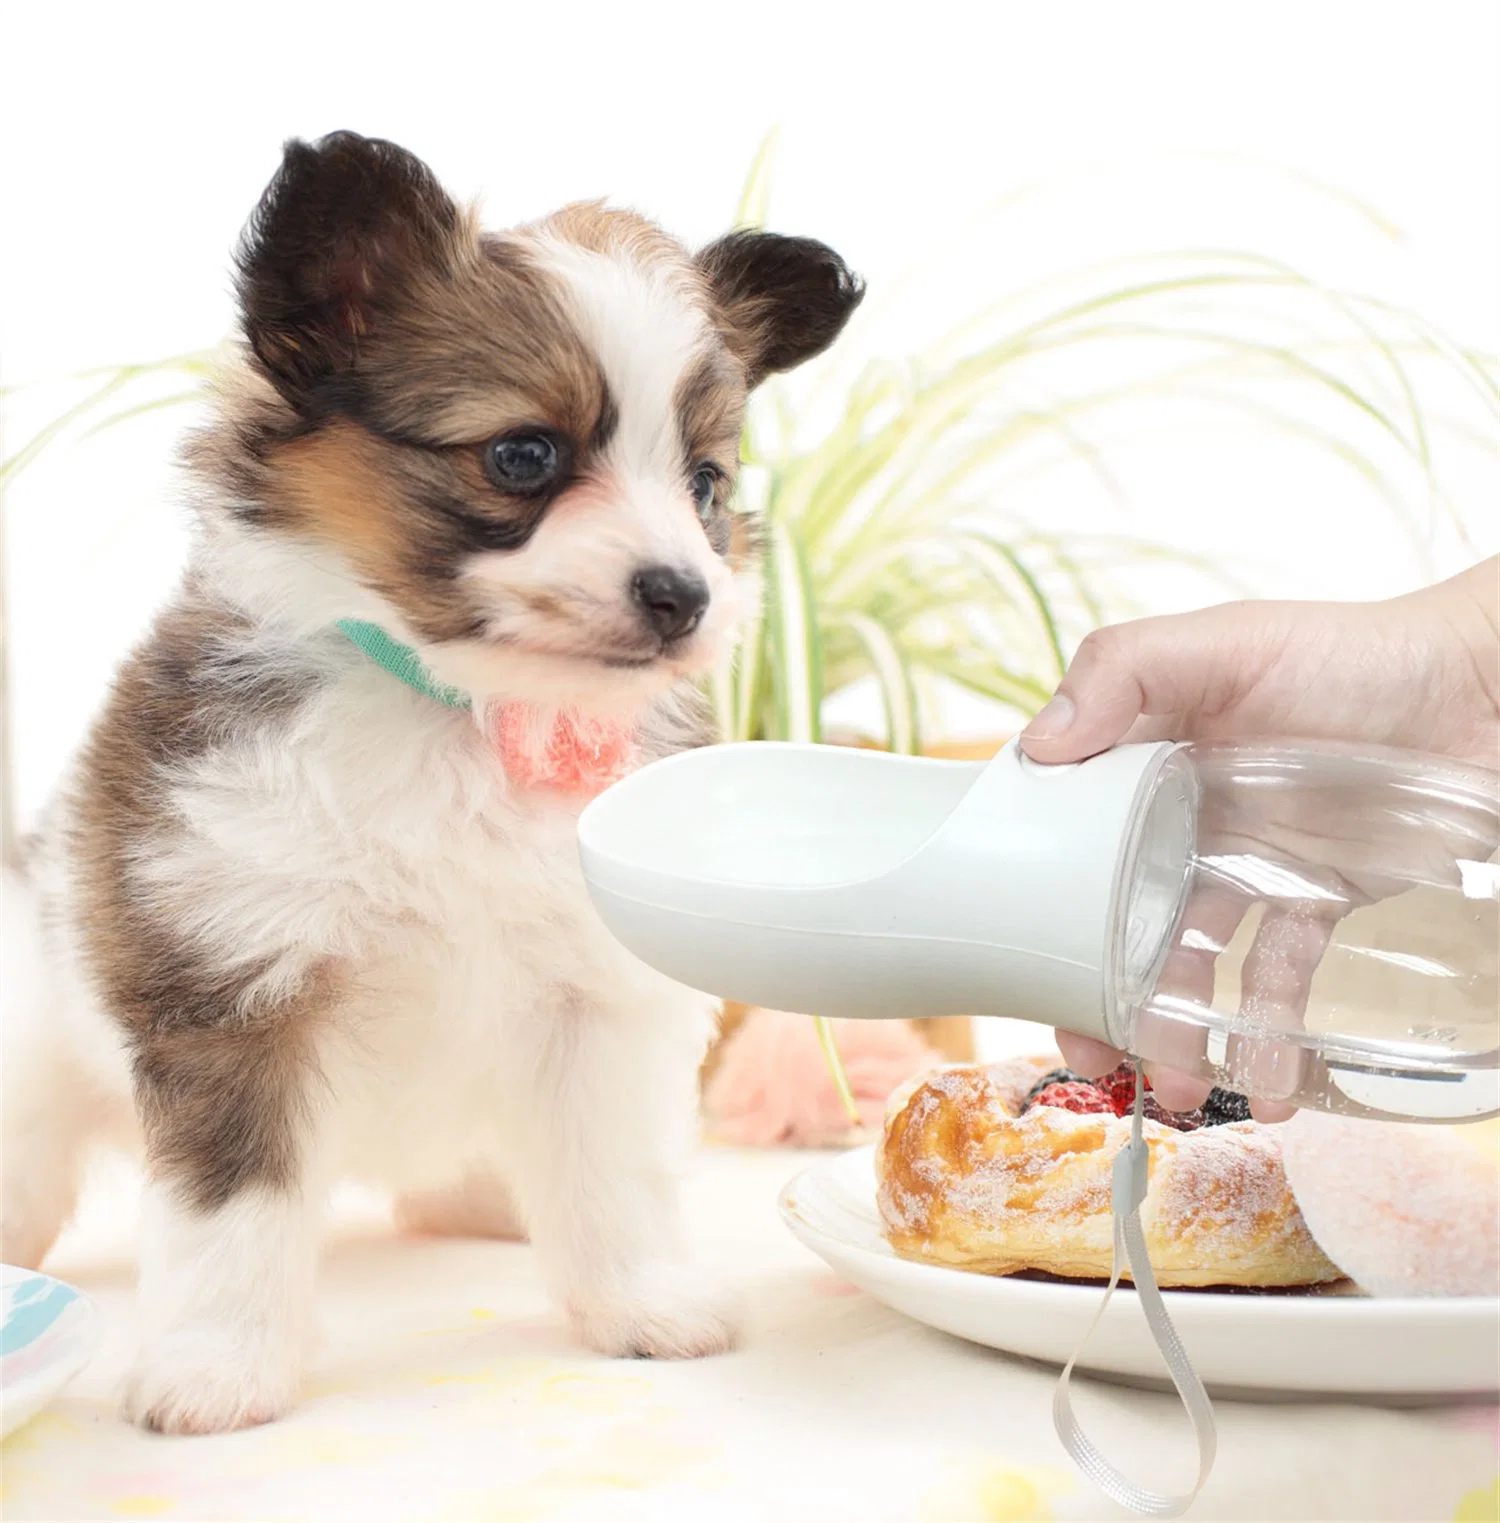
(672,601)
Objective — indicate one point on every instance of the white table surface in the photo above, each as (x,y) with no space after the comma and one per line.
(446,1387)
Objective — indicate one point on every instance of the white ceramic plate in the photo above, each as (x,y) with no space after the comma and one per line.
(1242,1345)
(49,1332)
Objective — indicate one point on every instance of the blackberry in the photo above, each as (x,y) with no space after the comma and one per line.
(1179,1121)
(1223,1106)
(1057,1076)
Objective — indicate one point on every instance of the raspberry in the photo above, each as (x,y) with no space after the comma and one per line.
(1118,1088)
(1223,1107)
(1079,1096)
(1056,1076)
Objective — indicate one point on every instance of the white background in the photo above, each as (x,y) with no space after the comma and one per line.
(135,139)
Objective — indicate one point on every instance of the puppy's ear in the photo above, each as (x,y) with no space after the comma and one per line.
(783,300)
(345,228)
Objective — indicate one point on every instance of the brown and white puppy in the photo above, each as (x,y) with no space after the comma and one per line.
(292,920)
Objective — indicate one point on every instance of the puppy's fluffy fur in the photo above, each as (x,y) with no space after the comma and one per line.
(290,922)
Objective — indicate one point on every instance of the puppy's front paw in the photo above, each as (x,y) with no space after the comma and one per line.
(210,1380)
(667,1314)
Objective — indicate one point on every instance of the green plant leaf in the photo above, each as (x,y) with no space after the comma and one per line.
(15,464)
(829,1043)
(141,409)
(894,677)
(750,682)
(796,646)
(1001,564)
(986,676)
(112,380)
(755,197)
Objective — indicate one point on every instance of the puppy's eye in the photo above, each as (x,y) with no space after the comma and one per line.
(705,479)
(521,462)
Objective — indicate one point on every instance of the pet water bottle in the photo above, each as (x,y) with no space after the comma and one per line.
(1309,922)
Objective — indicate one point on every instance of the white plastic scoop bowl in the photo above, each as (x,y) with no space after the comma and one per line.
(844,882)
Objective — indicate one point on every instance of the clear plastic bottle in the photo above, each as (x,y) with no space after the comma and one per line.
(1314,922)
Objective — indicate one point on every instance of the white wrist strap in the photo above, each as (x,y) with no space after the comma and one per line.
(1130,1178)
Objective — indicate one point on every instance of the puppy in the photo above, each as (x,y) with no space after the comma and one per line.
(307,906)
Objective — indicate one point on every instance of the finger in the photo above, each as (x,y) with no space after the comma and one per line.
(1087,1057)
(1176,1091)
(1276,981)
(1178,1045)
(1187,664)
(1271,1111)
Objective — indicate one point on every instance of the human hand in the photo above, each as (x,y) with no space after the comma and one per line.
(1421,671)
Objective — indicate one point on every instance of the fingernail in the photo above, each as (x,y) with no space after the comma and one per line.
(1054,720)
(1270,1112)
(1264,1068)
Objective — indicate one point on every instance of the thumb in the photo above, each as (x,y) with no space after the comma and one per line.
(1176,668)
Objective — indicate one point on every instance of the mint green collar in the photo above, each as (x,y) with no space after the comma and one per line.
(400,661)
